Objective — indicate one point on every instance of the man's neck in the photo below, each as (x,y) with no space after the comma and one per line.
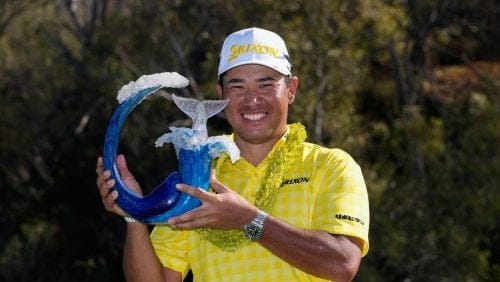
(255,153)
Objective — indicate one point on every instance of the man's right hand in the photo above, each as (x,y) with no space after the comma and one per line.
(105,183)
(140,262)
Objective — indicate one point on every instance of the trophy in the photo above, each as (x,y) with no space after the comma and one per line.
(194,150)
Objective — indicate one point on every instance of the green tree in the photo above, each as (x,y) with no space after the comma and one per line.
(372,83)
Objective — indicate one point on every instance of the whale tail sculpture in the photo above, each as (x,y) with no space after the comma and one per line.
(200,112)
(193,147)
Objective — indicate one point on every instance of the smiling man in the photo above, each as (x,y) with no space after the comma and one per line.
(288,210)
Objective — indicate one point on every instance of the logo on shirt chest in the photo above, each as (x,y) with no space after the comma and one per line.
(294,181)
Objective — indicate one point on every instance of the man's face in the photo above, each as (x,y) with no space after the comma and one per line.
(258,102)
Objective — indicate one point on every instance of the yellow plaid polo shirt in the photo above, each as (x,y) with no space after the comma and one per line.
(324,190)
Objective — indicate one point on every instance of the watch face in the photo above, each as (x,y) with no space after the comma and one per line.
(253,232)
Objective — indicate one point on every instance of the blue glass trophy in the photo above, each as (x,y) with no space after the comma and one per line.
(194,150)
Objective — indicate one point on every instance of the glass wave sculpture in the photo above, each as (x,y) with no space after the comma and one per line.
(194,150)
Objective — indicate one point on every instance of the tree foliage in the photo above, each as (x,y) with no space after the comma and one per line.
(409,88)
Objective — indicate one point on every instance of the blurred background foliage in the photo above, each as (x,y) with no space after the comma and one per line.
(409,88)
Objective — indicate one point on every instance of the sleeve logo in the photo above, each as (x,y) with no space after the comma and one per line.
(350,218)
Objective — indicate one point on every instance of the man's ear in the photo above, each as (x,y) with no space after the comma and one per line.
(293,85)
(291,97)
(218,89)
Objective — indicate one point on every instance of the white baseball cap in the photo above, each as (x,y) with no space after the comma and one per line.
(254,46)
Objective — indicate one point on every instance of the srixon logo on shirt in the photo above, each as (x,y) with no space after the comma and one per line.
(294,181)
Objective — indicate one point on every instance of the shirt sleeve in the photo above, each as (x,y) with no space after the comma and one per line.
(171,248)
(342,203)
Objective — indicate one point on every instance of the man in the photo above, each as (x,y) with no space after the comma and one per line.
(288,210)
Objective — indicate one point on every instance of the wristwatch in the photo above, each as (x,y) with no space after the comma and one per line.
(130,219)
(253,230)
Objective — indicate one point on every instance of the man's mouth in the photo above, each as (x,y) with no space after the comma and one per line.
(254,116)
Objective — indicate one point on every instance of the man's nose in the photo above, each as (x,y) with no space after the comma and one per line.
(253,98)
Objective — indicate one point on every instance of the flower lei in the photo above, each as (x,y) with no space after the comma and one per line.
(280,161)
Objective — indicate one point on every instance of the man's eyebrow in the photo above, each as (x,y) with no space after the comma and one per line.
(262,79)
(267,78)
(235,80)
